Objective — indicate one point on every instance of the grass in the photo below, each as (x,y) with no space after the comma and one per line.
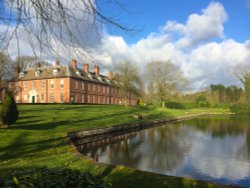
(38,139)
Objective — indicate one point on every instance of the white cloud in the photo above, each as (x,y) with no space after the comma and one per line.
(201,49)
(216,63)
(203,60)
(200,28)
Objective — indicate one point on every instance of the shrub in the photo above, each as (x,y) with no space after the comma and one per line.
(9,112)
(175,105)
(201,102)
(51,178)
(240,108)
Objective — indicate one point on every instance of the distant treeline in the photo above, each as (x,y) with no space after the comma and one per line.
(216,96)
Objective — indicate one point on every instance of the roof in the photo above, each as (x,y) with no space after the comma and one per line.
(59,71)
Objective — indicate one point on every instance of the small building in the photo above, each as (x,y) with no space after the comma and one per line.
(66,84)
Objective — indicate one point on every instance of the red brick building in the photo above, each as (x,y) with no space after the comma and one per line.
(66,84)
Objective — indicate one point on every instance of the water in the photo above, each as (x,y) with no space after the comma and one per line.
(211,148)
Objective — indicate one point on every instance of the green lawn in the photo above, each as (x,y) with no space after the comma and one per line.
(39,139)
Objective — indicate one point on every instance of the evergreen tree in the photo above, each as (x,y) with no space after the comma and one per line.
(9,113)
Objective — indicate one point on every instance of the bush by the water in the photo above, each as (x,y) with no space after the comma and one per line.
(50,178)
(175,105)
(240,108)
(201,102)
(9,112)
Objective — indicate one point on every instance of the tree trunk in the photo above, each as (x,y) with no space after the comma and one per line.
(163,104)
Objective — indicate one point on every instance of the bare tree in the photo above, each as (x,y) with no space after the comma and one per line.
(45,22)
(245,79)
(128,78)
(165,79)
(6,66)
(24,62)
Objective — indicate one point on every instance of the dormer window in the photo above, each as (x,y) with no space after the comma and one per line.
(90,76)
(21,74)
(99,78)
(55,72)
(37,73)
(78,73)
(108,80)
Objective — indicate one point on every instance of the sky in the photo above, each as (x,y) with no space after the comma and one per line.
(150,15)
(208,40)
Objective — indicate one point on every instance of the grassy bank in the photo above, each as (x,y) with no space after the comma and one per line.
(38,139)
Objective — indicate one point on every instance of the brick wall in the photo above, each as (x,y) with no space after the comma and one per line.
(66,90)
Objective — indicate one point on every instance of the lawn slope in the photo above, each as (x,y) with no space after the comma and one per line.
(39,139)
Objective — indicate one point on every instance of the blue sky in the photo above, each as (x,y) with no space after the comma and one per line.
(209,41)
(150,15)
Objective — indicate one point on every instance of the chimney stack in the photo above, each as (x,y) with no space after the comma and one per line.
(73,63)
(110,75)
(86,68)
(96,70)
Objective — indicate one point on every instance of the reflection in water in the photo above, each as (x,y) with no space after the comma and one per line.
(214,148)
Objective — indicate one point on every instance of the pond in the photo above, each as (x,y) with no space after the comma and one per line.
(211,148)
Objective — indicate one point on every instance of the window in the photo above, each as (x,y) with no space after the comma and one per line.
(107,100)
(89,87)
(93,99)
(42,97)
(61,83)
(82,86)
(51,98)
(55,72)
(76,99)
(25,85)
(51,84)
(37,73)
(99,88)
(94,87)
(82,98)
(25,98)
(42,84)
(107,89)
(76,84)
(99,100)
(61,98)
(103,89)
(21,74)
(34,85)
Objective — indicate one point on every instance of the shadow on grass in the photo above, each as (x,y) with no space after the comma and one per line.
(33,125)
(26,117)
(21,148)
(38,126)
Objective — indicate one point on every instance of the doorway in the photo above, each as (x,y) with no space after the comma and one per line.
(33,99)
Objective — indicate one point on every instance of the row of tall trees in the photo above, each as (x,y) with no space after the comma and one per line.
(223,94)
(163,82)
(161,79)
